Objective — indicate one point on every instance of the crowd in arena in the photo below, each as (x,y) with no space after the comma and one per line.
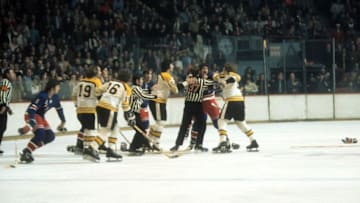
(42,39)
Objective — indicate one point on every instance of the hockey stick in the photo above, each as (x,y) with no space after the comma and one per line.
(125,138)
(169,154)
(16,155)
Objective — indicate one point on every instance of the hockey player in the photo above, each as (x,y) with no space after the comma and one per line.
(147,88)
(233,108)
(164,85)
(116,93)
(79,146)
(35,117)
(139,142)
(85,96)
(6,88)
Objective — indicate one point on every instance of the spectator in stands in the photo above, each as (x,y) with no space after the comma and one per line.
(294,86)
(250,88)
(261,83)
(279,86)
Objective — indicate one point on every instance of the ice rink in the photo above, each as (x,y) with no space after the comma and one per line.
(297,162)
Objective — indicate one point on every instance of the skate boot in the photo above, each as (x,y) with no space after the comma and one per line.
(175,148)
(76,149)
(223,147)
(1,152)
(190,147)
(136,152)
(111,154)
(253,147)
(91,154)
(103,149)
(26,156)
(200,148)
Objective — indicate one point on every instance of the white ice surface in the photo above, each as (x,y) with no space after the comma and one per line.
(278,173)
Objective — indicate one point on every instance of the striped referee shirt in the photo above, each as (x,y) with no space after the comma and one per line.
(137,97)
(195,90)
(5,92)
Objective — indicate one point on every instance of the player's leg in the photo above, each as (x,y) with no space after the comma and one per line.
(3,123)
(243,126)
(225,116)
(37,141)
(158,110)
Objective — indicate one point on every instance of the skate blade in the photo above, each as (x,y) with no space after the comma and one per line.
(90,158)
(113,160)
(253,150)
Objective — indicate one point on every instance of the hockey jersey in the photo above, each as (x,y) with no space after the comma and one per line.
(42,103)
(115,93)
(229,83)
(85,95)
(165,85)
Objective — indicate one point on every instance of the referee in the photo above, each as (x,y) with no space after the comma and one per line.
(195,87)
(6,88)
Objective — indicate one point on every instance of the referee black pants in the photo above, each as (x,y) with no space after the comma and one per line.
(3,123)
(191,109)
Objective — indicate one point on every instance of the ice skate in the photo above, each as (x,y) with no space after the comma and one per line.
(174,148)
(103,149)
(26,156)
(136,152)
(75,149)
(200,148)
(223,147)
(253,147)
(111,155)
(190,147)
(1,152)
(91,154)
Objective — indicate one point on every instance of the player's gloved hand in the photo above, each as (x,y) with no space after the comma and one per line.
(10,112)
(32,123)
(131,122)
(130,117)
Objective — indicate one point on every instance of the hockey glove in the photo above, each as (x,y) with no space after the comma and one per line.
(32,123)
(132,122)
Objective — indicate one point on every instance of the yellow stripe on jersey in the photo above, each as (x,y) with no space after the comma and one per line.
(126,103)
(169,79)
(106,105)
(235,98)
(236,76)
(94,80)
(165,76)
(160,100)
(81,110)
